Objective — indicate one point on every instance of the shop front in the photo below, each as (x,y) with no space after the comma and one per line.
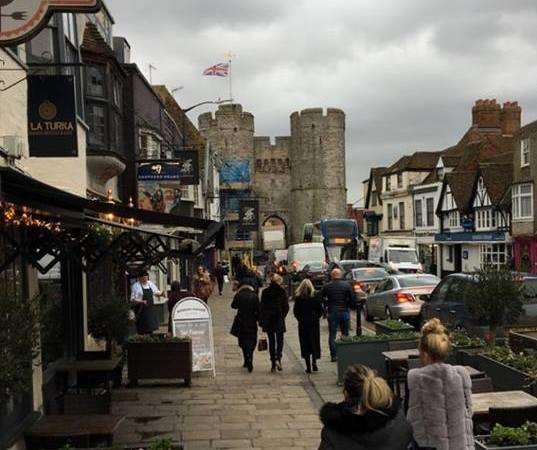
(525,254)
(470,251)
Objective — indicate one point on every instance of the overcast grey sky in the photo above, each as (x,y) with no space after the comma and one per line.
(406,72)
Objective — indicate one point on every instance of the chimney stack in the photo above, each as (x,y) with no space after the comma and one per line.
(510,118)
(487,114)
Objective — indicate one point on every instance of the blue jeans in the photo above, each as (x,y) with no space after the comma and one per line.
(335,321)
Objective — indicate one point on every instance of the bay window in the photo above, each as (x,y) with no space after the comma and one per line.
(522,200)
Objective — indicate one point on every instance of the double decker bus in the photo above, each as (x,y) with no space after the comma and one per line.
(339,237)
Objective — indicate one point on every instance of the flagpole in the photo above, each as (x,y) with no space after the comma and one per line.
(230,76)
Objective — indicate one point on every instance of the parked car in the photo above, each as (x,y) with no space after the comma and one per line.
(448,304)
(365,280)
(400,296)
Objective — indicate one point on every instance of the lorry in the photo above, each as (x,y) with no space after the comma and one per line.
(398,256)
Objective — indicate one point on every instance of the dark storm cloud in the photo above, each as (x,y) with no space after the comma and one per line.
(405,72)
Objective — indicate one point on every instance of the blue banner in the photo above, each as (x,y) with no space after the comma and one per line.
(235,171)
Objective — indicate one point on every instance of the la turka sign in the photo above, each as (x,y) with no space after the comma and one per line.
(20,20)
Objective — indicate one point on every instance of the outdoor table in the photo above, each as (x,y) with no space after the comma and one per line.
(87,430)
(401,356)
(97,367)
(481,403)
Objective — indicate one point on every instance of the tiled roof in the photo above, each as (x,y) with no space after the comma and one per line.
(462,185)
(416,161)
(497,178)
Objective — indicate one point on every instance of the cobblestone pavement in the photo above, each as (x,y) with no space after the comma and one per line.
(236,409)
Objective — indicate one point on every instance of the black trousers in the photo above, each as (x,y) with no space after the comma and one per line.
(248,351)
(275,344)
(220,285)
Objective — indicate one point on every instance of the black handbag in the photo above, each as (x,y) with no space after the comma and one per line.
(235,327)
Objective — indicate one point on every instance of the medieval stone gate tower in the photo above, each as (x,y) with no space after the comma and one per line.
(298,179)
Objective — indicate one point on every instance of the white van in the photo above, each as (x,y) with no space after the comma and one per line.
(298,255)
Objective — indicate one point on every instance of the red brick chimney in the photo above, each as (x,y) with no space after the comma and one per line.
(510,118)
(487,114)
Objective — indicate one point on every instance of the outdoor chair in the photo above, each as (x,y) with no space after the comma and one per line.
(481,385)
(513,417)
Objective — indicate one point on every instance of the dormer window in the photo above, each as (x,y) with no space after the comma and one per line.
(525,152)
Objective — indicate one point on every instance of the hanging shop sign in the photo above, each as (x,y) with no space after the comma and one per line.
(184,169)
(249,215)
(52,130)
(20,20)
(191,317)
(162,184)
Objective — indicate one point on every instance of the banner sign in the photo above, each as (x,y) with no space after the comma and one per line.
(191,317)
(52,116)
(20,20)
(184,169)
(249,215)
(235,171)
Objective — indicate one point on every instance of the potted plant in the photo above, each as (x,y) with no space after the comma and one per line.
(390,326)
(367,350)
(507,438)
(159,357)
(108,320)
(19,338)
(496,298)
(509,370)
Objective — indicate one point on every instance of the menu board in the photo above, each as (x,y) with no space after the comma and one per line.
(191,317)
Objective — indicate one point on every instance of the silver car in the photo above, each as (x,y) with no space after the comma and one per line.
(400,296)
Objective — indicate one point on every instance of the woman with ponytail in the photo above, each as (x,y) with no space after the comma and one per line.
(440,395)
(369,418)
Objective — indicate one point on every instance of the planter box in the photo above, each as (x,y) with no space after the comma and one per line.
(159,360)
(367,353)
(504,378)
(381,328)
(456,356)
(480,445)
(520,340)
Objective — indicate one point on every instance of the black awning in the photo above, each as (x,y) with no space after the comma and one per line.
(19,188)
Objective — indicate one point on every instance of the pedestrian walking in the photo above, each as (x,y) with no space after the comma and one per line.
(143,293)
(175,295)
(219,273)
(202,286)
(274,310)
(338,298)
(440,405)
(244,327)
(308,311)
(369,418)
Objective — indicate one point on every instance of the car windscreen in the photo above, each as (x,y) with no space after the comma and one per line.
(410,281)
(304,255)
(369,273)
(403,256)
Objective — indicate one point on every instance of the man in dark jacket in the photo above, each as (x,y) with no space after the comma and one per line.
(338,298)
(219,273)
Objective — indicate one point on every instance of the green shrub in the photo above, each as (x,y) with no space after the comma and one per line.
(399,336)
(109,320)
(395,324)
(461,338)
(161,444)
(524,361)
(506,436)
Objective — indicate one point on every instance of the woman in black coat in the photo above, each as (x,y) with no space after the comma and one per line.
(308,311)
(246,302)
(274,310)
(370,418)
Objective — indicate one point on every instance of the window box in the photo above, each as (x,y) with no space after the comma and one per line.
(147,358)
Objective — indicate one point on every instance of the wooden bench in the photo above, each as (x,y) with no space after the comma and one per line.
(54,431)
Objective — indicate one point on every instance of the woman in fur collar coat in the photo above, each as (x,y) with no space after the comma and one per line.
(369,418)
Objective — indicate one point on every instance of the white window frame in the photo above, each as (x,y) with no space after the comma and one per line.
(516,196)
(525,146)
(495,254)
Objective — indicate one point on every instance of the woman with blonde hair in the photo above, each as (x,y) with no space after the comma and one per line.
(308,310)
(369,418)
(440,395)
(274,310)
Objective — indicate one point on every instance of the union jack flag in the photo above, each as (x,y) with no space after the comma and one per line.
(218,70)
